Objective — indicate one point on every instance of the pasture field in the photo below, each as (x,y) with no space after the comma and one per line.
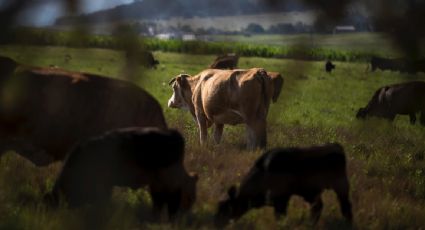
(386,161)
(377,43)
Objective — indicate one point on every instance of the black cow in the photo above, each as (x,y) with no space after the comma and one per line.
(131,157)
(399,64)
(384,64)
(329,66)
(225,61)
(283,172)
(144,58)
(404,98)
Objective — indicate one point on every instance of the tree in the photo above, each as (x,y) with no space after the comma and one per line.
(254,28)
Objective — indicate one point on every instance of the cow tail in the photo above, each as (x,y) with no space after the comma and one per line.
(264,79)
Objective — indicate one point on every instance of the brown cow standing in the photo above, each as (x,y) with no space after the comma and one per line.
(280,173)
(227,97)
(404,98)
(226,61)
(43,112)
(130,157)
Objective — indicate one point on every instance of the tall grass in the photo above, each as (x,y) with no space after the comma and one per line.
(386,161)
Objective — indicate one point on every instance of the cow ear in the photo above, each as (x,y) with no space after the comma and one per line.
(172,81)
(262,72)
(232,192)
(182,80)
(194,176)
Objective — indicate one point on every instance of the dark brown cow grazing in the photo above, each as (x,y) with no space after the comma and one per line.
(226,61)
(283,172)
(228,97)
(44,111)
(404,98)
(131,157)
(398,64)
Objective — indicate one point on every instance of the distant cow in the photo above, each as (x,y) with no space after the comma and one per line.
(226,61)
(227,97)
(385,64)
(399,64)
(44,111)
(144,58)
(404,98)
(131,157)
(329,66)
(280,173)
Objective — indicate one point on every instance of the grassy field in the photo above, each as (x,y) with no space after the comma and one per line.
(386,161)
(371,42)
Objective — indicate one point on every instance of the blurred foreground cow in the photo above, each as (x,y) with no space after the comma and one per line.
(283,172)
(131,157)
(44,111)
(226,61)
(404,98)
(228,97)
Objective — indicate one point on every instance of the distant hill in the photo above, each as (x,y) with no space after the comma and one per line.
(164,9)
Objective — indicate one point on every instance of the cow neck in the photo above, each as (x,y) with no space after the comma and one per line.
(193,81)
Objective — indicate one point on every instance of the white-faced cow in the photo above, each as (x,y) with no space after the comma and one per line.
(130,157)
(228,97)
(44,111)
(404,98)
(280,173)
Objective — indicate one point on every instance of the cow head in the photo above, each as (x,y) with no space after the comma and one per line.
(361,113)
(377,106)
(188,195)
(231,208)
(182,94)
(277,81)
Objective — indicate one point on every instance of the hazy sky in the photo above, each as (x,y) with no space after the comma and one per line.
(45,12)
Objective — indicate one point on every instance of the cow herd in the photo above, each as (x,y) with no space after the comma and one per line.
(112,133)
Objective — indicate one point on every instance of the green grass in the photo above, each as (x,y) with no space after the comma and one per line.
(386,161)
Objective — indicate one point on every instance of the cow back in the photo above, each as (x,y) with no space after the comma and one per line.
(56,108)
(303,160)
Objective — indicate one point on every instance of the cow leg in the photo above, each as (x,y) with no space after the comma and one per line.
(218,132)
(412,118)
(422,118)
(173,204)
(26,150)
(280,204)
(316,206)
(342,192)
(159,200)
(203,129)
(258,135)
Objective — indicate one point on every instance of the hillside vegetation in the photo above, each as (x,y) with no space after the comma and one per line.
(386,161)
